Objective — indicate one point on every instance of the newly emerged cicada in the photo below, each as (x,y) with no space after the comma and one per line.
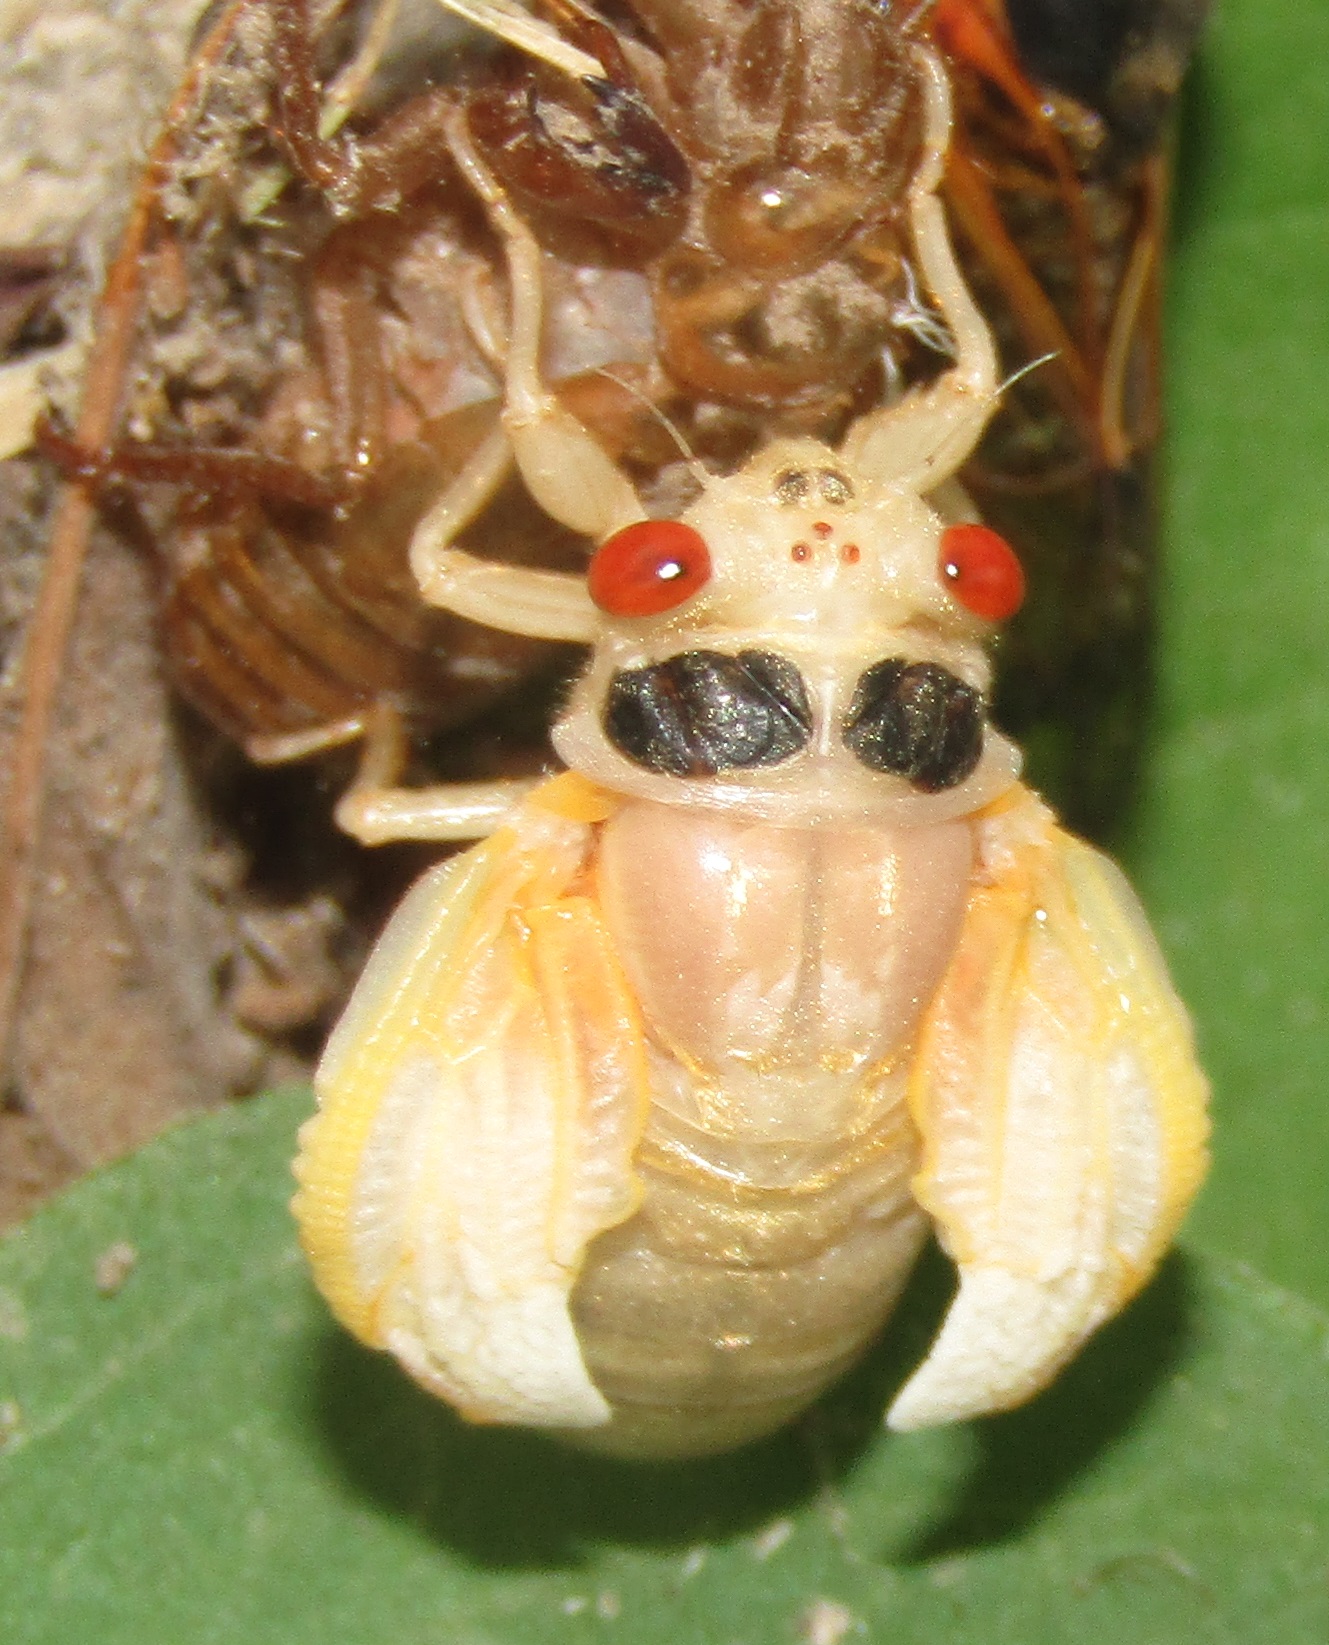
(643,1106)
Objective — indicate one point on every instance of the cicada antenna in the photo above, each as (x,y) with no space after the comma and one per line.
(46,638)
(1025,371)
(991,402)
(696,467)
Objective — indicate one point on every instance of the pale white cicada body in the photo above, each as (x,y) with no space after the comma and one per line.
(643,1106)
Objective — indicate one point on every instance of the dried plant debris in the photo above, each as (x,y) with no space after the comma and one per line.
(121,1026)
(127,925)
(193,922)
(82,89)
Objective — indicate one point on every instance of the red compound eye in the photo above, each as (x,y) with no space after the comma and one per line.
(648,568)
(983,572)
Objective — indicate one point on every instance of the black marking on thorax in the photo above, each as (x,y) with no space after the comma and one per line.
(702,712)
(918,721)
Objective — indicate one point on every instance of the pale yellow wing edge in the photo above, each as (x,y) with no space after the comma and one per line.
(480,1105)
(1063,1116)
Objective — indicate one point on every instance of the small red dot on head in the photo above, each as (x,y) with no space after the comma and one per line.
(851,553)
(822,528)
(982,571)
(800,553)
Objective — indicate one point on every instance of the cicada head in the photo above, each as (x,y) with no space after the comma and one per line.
(808,641)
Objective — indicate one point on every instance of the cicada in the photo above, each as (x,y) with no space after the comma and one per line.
(644,1106)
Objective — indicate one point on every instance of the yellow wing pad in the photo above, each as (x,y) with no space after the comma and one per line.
(1062,1111)
(480,1105)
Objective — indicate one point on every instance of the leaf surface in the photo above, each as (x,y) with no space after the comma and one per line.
(202,1456)
(1230,851)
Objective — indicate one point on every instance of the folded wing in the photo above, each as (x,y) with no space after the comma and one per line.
(480,1103)
(1063,1117)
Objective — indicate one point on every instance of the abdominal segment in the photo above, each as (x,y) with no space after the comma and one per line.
(733,1298)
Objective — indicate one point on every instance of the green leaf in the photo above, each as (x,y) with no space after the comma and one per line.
(1231,852)
(203,1457)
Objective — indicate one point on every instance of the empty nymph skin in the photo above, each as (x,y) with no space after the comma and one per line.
(644,1106)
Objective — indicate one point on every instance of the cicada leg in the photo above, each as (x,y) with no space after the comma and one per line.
(548,605)
(925,438)
(376,809)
